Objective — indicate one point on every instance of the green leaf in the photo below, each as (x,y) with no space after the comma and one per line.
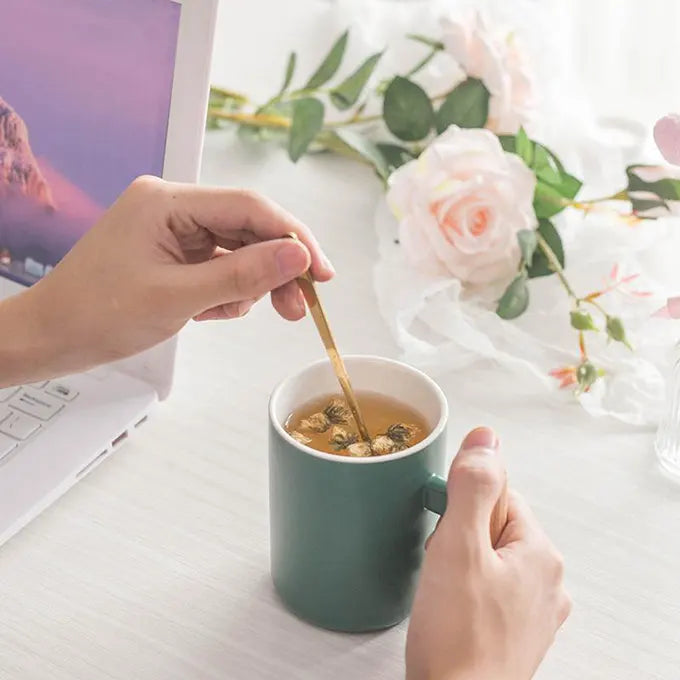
(547,200)
(407,110)
(430,42)
(290,72)
(329,65)
(307,122)
(395,156)
(582,321)
(550,170)
(524,147)
(540,265)
(527,245)
(641,206)
(346,94)
(466,106)
(515,300)
(367,149)
(667,189)
(507,142)
(546,166)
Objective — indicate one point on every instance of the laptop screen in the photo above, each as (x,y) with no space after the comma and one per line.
(85,88)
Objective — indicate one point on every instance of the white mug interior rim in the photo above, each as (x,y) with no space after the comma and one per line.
(425,379)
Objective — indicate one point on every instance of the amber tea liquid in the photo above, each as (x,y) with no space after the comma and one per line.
(379,411)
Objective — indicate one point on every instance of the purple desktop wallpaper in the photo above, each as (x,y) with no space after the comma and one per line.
(85,90)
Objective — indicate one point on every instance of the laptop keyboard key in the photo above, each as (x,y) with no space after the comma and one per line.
(7,392)
(18,426)
(37,404)
(38,385)
(7,445)
(62,391)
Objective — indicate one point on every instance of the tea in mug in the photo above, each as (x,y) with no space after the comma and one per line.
(326,424)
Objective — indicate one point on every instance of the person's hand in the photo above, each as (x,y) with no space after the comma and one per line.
(484,613)
(165,253)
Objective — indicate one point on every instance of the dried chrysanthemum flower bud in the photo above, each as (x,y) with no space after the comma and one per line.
(317,422)
(359,450)
(337,411)
(401,433)
(341,438)
(299,437)
(382,445)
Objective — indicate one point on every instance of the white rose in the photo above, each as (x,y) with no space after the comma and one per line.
(499,62)
(460,206)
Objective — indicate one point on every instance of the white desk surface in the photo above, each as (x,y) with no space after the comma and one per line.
(156,566)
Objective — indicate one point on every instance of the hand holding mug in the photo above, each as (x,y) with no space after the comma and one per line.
(482,612)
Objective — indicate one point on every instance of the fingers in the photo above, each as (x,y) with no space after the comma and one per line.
(289,302)
(246,274)
(225,212)
(522,523)
(564,607)
(667,137)
(232,310)
(476,480)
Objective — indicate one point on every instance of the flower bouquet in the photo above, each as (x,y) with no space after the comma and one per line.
(478,208)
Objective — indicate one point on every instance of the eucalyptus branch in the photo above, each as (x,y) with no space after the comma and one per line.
(230,94)
(256,120)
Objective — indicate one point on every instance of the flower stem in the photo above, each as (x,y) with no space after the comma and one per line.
(597,306)
(230,94)
(423,62)
(585,205)
(257,120)
(355,120)
(556,266)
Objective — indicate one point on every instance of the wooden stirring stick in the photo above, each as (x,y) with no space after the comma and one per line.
(306,283)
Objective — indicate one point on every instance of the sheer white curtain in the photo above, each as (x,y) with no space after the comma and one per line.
(626,53)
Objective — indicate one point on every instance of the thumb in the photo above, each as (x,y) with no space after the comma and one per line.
(244,274)
(476,481)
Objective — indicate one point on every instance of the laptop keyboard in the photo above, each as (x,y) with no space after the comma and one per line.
(25,411)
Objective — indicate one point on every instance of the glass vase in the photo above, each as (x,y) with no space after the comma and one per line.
(667,442)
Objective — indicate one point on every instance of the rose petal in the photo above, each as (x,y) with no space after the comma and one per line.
(667,137)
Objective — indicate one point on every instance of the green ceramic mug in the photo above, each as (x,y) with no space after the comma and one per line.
(347,534)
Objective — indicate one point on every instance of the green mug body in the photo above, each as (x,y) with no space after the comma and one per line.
(347,534)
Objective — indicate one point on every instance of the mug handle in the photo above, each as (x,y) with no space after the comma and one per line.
(435,497)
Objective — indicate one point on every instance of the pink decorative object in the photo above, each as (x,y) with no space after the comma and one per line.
(667,137)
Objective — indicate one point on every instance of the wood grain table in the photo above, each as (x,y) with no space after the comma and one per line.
(155,567)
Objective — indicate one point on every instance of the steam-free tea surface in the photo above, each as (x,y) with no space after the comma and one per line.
(325,424)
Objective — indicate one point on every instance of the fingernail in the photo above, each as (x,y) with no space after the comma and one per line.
(292,260)
(328,265)
(300,304)
(245,306)
(480,437)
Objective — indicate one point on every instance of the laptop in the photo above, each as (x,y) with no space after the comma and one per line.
(93,93)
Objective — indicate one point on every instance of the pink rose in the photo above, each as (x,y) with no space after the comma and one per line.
(461,204)
(499,62)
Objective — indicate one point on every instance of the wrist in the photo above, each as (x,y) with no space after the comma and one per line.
(29,350)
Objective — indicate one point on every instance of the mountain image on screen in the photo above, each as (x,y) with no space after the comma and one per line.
(19,171)
(41,211)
